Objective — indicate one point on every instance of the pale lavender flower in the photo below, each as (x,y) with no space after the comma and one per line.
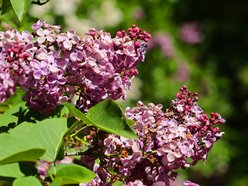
(191,33)
(163,41)
(189,183)
(7,86)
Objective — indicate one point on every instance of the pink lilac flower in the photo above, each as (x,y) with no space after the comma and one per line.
(7,87)
(52,67)
(189,183)
(14,47)
(191,33)
(177,138)
(163,41)
(183,72)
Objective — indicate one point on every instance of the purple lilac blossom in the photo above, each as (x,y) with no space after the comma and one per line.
(177,138)
(52,66)
(6,82)
(164,41)
(191,33)
(189,183)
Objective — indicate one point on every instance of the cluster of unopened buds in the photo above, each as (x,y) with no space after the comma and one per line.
(52,67)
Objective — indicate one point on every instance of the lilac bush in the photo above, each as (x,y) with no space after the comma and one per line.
(54,67)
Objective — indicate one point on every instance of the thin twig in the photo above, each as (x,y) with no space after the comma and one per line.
(74,153)
(39,3)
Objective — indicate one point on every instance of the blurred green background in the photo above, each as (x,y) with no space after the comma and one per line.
(202,44)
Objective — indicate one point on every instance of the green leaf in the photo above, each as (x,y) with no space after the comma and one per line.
(108,116)
(6,119)
(118,183)
(13,100)
(5,7)
(77,113)
(72,174)
(14,149)
(24,181)
(47,134)
(15,108)
(20,7)
(1,3)
(11,170)
(11,115)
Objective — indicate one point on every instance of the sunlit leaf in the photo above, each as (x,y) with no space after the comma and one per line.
(76,113)
(14,149)
(24,181)
(47,134)
(11,170)
(20,7)
(108,116)
(72,174)
(13,100)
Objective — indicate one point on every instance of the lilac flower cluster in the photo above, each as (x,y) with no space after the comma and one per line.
(191,33)
(167,141)
(52,66)
(163,41)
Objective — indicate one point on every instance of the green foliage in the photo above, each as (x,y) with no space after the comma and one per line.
(14,149)
(77,113)
(72,174)
(32,138)
(108,116)
(11,170)
(29,180)
(47,134)
(20,7)
(12,101)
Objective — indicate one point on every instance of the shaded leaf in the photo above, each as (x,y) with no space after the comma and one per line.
(108,116)
(5,7)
